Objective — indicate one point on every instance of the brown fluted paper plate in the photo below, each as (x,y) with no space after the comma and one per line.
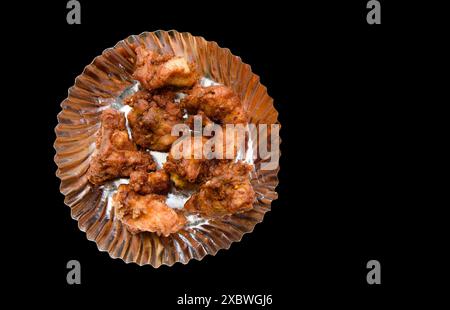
(101,85)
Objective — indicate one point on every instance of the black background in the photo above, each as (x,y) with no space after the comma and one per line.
(335,81)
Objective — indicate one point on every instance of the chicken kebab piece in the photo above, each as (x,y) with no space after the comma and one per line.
(227,191)
(141,204)
(155,71)
(186,163)
(220,103)
(146,212)
(194,164)
(152,118)
(116,156)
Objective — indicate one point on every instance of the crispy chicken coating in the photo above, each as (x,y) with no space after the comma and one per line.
(193,164)
(147,183)
(219,103)
(154,71)
(229,191)
(230,138)
(146,212)
(151,121)
(116,156)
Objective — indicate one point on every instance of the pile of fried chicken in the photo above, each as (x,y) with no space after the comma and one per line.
(222,185)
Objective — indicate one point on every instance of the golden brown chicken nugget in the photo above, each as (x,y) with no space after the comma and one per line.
(220,103)
(116,156)
(155,71)
(227,192)
(149,212)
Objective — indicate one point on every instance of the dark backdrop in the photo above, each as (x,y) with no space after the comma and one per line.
(334,79)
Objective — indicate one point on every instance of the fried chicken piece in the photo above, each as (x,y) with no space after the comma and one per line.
(219,103)
(146,212)
(151,121)
(187,165)
(154,71)
(229,191)
(193,165)
(231,138)
(150,183)
(116,156)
